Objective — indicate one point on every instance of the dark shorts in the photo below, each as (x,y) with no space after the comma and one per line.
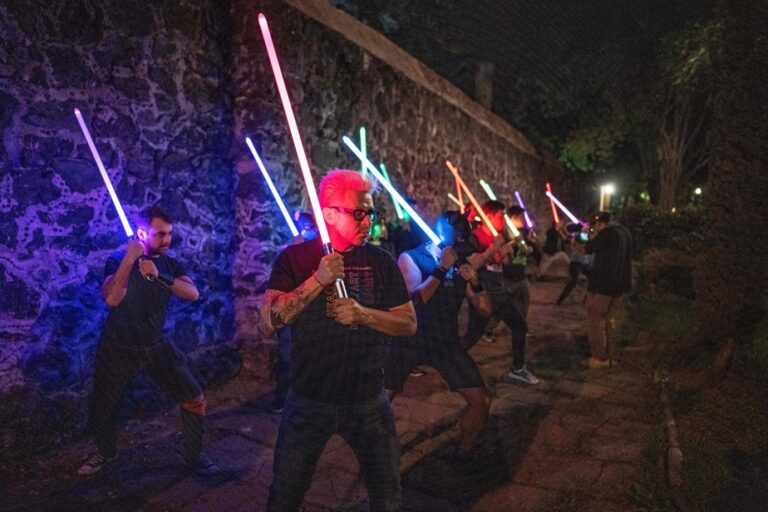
(448,357)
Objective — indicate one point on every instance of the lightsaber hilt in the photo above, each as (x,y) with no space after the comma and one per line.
(338,285)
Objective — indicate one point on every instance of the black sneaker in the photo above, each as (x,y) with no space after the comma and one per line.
(202,465)
(95,463)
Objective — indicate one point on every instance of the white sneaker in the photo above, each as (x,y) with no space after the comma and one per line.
(524,375)
(95,463)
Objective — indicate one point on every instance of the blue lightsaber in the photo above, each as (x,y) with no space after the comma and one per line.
(271,185)
(395,194)
(120,213)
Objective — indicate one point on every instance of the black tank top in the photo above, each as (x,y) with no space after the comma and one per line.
(438,318)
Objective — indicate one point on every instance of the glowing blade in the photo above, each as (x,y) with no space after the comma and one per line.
(511,226)
(363,148)
(395,194)
(552,204)
(471,197)
(398,210)
(563,208)
(458,193)
(297,144)
(120,213)
(488,190)
(271,185)
(454,199)
(528,221)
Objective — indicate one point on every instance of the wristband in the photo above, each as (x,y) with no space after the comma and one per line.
(476,289)
(439,273)
(166,279)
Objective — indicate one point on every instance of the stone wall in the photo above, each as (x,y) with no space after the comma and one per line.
(152,79)
(414,118)
(170,88)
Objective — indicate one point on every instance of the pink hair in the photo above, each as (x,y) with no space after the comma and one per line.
(335,184)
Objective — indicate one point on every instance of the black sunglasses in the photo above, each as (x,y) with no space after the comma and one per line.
(359,214)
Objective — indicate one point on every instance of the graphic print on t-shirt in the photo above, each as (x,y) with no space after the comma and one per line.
(359,283)
(359,280)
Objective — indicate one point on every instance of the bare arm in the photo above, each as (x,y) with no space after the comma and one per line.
(479,259)
(397,321)
(115,286)
(481,300)
(422,291)
(279,309)
(184,288)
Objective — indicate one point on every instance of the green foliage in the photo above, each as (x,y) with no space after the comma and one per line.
(668,271)
(732,276)
(683,231)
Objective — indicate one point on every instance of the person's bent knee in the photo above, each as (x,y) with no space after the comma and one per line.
(197,405)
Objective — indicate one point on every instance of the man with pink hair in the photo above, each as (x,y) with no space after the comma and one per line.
(336,382)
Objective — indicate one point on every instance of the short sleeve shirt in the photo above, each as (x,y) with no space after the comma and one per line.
(332,362)
(138,320)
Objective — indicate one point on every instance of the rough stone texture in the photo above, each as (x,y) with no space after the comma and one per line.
(152,79)
(415,120)
(169,90)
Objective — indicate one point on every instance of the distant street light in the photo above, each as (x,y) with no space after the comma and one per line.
(606,191)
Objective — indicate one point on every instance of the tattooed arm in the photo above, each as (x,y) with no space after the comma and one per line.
(279,308)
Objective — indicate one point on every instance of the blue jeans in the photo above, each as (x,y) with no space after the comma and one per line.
(369,429)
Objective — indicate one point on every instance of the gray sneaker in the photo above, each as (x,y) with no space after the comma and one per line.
(523,375)
(95,463)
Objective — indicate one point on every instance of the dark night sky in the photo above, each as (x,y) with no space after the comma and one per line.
(566,50)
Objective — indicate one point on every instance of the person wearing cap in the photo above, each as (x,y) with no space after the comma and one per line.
(611,278)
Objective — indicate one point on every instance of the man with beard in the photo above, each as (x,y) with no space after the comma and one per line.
(138,284)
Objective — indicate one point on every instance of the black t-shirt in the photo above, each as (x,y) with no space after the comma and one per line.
(331,362)
(612,266)
(553,243)
(438,318)
(490,275)
(138,320)
(514,270)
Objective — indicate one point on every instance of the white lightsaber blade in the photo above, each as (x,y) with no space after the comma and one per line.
(488,190)
(395,194)
(271,185)
(563,208)
(322,229)
(454,199)
(120,213)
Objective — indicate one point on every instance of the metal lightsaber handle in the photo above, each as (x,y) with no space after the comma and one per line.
(341,289)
